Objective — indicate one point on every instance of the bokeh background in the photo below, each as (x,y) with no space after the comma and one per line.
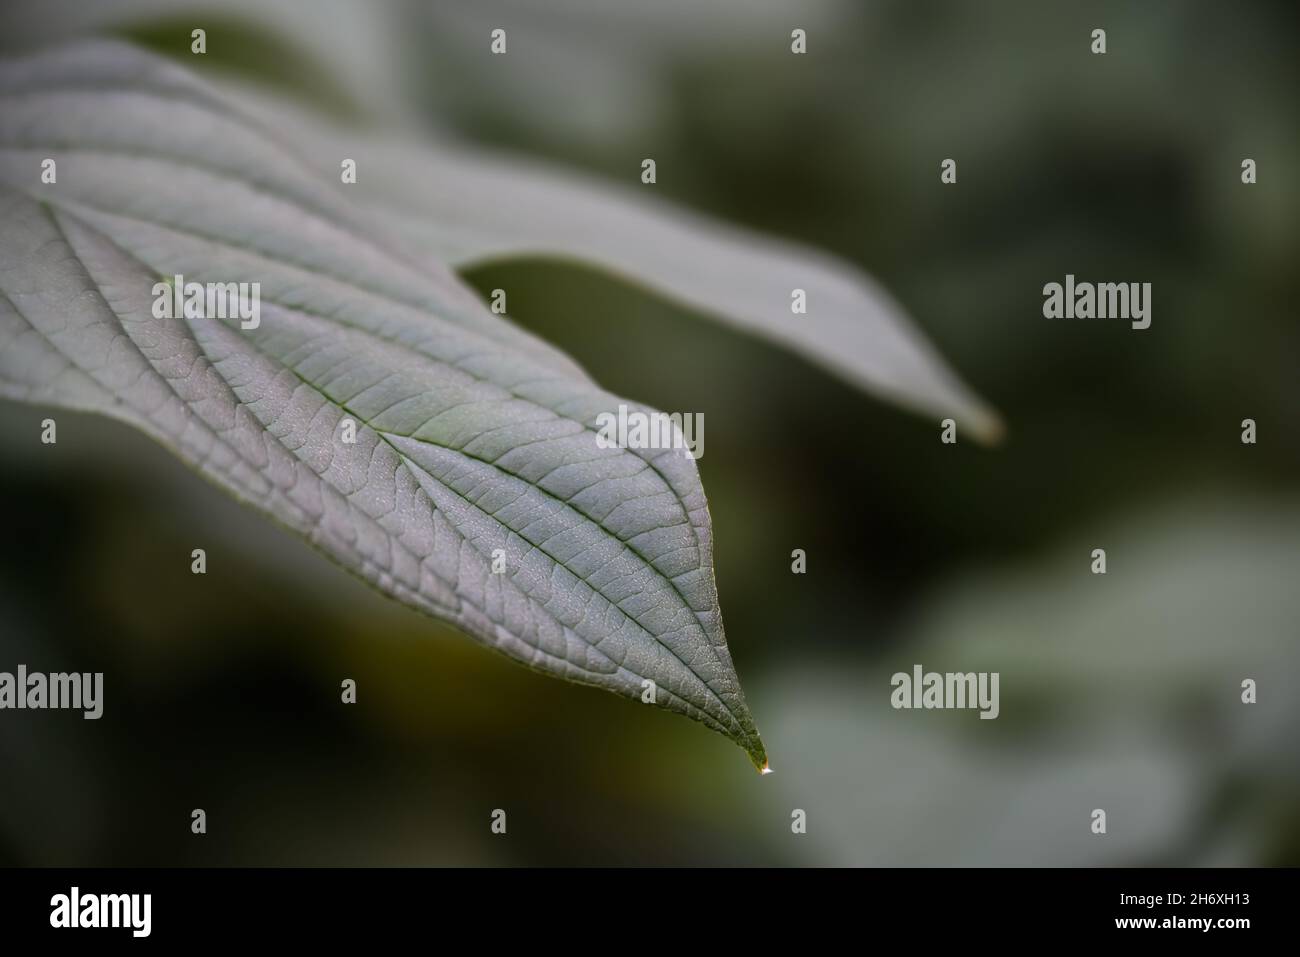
(1119,692)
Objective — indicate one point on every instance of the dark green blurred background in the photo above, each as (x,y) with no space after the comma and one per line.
(1119,692)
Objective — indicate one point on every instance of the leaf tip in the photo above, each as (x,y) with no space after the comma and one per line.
(757,755)
(987,426)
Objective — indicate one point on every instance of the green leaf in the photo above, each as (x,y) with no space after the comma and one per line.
(483,207)
(471,434)
(467,206)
